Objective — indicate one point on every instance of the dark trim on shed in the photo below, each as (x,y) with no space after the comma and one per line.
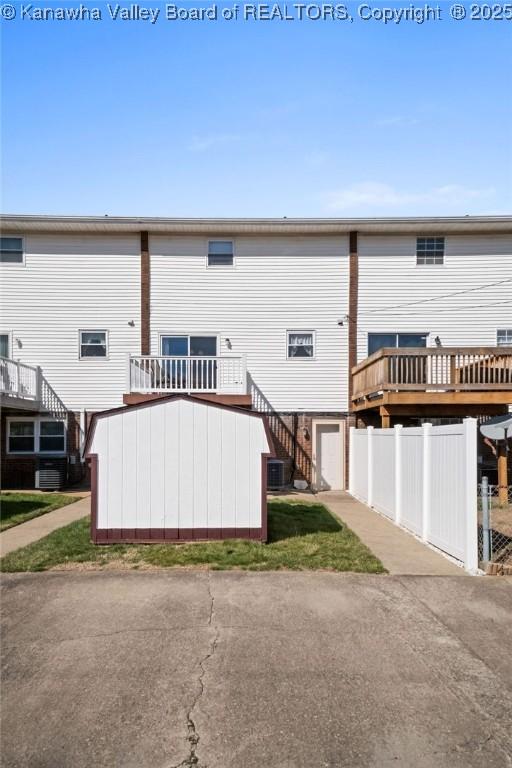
(174,535)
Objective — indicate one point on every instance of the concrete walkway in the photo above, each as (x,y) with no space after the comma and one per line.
(35,529)
(399,552)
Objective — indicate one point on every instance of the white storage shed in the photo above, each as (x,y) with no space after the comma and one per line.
(178,468)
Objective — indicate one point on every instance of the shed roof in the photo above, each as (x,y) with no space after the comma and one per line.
(171,398)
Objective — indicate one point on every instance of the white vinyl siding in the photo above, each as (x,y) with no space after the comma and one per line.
(388,276)
(72,283)
(279,284)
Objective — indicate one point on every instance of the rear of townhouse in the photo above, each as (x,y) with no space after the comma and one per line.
(268,314)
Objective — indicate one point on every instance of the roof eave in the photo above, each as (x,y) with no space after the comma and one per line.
(304,226)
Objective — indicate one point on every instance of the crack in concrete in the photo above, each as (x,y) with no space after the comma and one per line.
(193,738)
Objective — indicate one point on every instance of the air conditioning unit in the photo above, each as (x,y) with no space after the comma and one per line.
(51,474)
(275,473)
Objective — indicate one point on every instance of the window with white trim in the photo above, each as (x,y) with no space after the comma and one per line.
(300,344)
(11,250)
(52,438)
(504,337)
(93,344)
(429,251)
(220,253)
(21,437)
(5,344)
(37,435)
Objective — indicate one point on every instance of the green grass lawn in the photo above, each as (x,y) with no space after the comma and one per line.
(302,536)
(16,508)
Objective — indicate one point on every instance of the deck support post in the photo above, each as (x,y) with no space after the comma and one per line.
(502,473)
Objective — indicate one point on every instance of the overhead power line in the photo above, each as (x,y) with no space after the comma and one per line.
(454,309)
(434,298)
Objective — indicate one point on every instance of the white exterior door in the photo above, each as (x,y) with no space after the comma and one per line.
(329,456)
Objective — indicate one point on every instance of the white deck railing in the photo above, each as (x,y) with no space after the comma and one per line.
(19,380)
(221,375)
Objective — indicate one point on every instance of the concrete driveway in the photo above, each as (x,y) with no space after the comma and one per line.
(277,670)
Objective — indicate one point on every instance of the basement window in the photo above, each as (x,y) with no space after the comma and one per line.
(52,437)
(11,250)
(21,437)
(429,251)
(36,435)
(220,253)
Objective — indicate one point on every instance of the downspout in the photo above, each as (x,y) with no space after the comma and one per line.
(83,431)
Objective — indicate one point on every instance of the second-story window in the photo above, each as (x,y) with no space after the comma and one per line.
(429,250)
(220,253)
(11,250)
(504,337)
(4,345)
(93,344)
(377,341)
(300,344)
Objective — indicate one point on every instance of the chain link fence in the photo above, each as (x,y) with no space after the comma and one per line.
(494,525)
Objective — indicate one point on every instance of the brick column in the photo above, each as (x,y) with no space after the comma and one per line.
(353,288)
(144,294)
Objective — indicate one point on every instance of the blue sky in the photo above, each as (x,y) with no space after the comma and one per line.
(256,118)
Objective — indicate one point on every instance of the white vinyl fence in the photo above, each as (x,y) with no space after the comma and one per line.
(424,479)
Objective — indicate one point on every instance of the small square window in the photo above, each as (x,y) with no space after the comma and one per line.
(21,437)
(11,250)
(51,437)
(429,250)
(93,344)
(504,337)
(300,344)
(220,253)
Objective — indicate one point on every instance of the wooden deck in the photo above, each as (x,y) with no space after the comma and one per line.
(436,382)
